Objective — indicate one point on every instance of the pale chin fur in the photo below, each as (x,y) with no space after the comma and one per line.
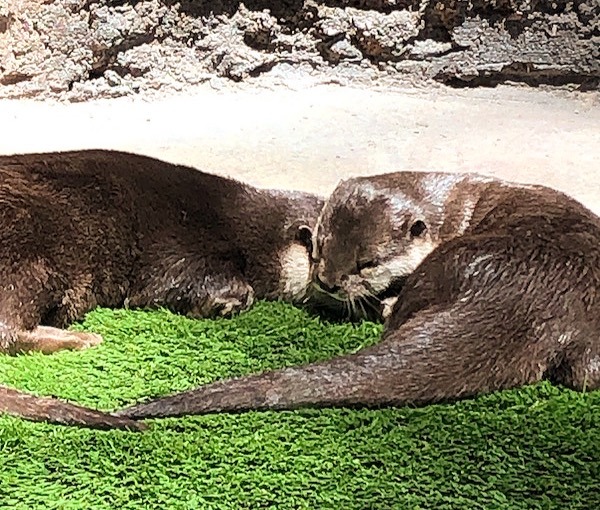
(295,272)
(388,307)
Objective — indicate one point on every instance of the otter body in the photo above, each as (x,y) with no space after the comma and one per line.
(496,286)
(103,228)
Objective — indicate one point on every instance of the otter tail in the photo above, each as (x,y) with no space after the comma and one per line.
(435,356)
(344,381)
(53,410)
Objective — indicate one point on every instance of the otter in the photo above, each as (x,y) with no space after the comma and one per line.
(91,228)
(31,407)
(496,286)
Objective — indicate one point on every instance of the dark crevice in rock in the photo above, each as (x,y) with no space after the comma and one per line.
(264,68)
(14,78)
(105,59)
(384,6)
(206,8)
(522,73)
(5,23)
(452,49)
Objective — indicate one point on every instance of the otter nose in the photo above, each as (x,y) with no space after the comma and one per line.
(326,285)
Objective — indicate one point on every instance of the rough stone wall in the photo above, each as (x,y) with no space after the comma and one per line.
(77,49)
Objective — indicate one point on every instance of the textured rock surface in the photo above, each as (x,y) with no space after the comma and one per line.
(79,49)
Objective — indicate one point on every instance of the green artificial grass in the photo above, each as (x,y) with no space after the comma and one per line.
(537,447)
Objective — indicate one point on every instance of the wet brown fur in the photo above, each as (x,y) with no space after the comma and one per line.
(513,299)
(102,228)
(53,410)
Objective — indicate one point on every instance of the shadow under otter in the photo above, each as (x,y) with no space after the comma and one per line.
(94,228)
(502,289)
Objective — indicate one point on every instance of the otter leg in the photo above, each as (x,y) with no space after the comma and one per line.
(31,297)
(47,340)
(197,288)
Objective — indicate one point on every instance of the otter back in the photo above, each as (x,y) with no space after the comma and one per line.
(86,228)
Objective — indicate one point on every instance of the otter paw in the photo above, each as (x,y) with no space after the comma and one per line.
(230,307)
(226,303)
(47,339)
(226,306)
(85,340)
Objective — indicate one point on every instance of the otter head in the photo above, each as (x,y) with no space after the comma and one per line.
(366,241)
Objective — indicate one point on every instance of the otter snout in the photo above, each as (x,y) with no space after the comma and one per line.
(343,286)
(326,283)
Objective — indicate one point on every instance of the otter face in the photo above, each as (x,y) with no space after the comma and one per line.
(365,243)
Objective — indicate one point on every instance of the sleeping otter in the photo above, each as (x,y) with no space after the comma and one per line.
(102,228)
(497,286)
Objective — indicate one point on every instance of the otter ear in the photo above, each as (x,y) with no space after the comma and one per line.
(304,235)
(417,228)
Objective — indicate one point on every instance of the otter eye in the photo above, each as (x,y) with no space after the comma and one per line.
(418,227)
(365,264)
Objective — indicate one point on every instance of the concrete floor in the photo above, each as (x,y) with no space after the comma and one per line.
(312,136)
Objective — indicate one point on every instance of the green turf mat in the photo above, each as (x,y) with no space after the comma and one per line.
(538,447)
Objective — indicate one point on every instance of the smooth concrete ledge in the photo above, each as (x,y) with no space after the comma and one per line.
(311,137)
